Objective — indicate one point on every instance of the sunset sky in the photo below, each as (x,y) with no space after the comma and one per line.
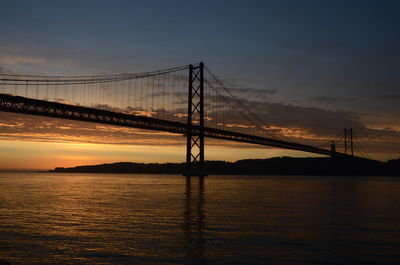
(309,68)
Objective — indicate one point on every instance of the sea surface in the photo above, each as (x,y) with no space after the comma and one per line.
(48,218)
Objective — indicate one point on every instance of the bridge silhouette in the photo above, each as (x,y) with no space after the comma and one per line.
(188,100)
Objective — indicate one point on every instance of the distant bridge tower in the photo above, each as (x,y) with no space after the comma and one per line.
(333,148)
(348,141)
(195,122)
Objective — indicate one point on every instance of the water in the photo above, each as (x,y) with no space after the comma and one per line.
(155,219)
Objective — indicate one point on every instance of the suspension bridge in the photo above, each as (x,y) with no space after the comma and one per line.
(188,100)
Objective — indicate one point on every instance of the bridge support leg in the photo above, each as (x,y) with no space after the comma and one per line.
(195,133)
(348,141)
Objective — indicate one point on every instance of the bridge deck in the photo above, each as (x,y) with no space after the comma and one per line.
(17,104)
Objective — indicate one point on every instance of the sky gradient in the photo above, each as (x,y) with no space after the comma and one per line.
(310,67)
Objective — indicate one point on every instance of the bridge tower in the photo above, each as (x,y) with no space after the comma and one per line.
(348,141)
(333,148)
(195,123)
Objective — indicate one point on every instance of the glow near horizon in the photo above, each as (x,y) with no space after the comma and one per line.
(43,156)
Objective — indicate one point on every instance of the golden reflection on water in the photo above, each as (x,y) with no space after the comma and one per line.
(194,221)
(158,219)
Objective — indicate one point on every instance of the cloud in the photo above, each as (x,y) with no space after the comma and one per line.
(14,55)
(254,91)
(304,124)
(34,61)
(329,100)
(392,99)
(14,60)
(17,126)
(4,71)
(240,89)
(315,120)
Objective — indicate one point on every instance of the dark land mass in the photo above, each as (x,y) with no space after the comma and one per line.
(271,166)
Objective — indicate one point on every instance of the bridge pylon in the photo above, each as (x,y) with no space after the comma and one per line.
(348,141)
(195,123)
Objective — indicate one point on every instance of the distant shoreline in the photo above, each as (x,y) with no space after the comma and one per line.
(271,166)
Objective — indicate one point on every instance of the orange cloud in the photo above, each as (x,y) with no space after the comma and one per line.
(16,59)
